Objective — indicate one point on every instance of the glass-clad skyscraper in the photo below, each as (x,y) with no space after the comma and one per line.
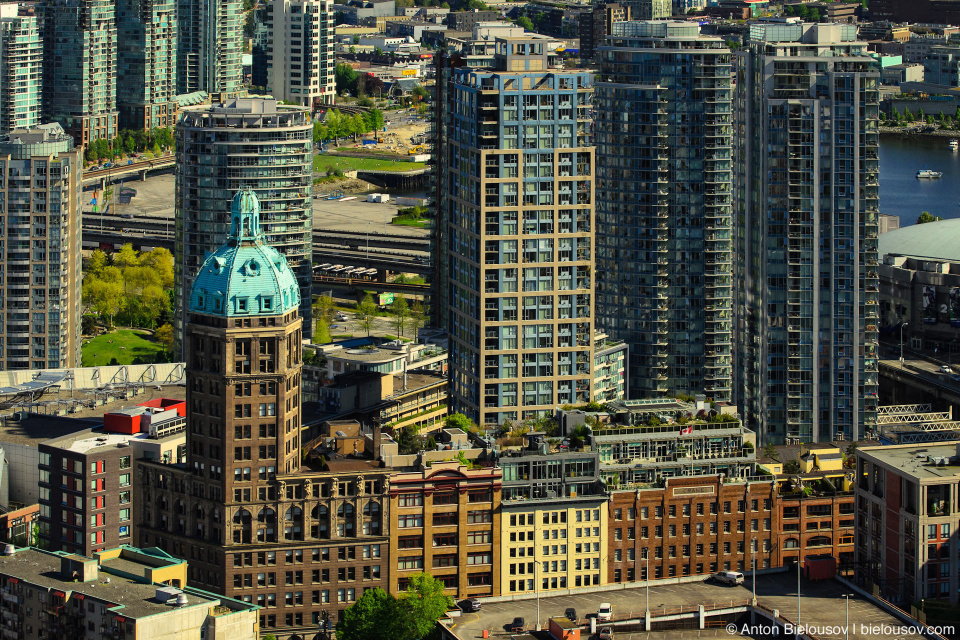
(807,123)
(664,243)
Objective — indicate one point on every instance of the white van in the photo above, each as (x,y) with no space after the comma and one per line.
(732,578)
(605,613)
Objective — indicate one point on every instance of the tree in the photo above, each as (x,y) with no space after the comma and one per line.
(401,310)
(458,421)
(323,331)
(375,615)
(376,120)
(126,257)
(356,39)
(419,312)
(97,263)
(418,93)
(525,22)
(769,451)
(366,312)
(925,217)
(357,125)
(423,604)
(129,145)
(323,307)
(164,336)
(345,78)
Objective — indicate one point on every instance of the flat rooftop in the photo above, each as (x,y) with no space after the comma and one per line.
(132,599)
(88,439)
(37,428)
(821,605)
(914,460)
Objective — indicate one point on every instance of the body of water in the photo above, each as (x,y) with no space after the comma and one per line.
(901,194)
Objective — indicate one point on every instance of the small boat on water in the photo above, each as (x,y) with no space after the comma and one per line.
(927,173)
(954,145)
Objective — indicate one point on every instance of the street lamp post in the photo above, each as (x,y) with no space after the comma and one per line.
(648,587)
(753,558)
(847,596)
(901,342)
(798,589)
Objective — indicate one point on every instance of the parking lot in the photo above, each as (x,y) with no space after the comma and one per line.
(821,605)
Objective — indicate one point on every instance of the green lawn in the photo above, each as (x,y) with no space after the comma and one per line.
(123,344)
(407,222)
(345,163)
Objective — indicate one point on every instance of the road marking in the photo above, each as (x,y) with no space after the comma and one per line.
(476,616)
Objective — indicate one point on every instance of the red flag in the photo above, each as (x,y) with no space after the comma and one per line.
(685,431)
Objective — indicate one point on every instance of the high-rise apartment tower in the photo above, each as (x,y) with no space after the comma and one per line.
(519,213)
(147,67)
(209,47)
(40,197)
(807,105)
(21,69)
(245,143)
(299,51)
(80,67)
(664,263)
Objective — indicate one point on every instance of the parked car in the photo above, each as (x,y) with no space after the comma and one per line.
(470,604)
(945,369)
(730,578)
(570,614)
(605,612)
(517,625)
(605,633)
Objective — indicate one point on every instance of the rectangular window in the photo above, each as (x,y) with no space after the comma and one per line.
(410,500)
(476,517)
(411,562)
(409,521)
(444,520)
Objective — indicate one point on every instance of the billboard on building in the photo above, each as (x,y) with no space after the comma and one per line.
(954,306)
(929,305)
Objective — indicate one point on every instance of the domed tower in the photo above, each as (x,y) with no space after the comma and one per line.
(243,355)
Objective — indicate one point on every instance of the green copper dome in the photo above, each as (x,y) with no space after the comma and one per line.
(245,277)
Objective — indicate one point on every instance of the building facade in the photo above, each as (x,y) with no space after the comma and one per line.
(664,234)
(300,52)
(41,170)
(445,520)
(907,519)
(556,497)
(80,67)
(86,483)
(21,69)
(118,593)
(218,155)
(147,63)
(807,109)
(650,9)
(209,47)
(520,220)
(691,526)
(942,66)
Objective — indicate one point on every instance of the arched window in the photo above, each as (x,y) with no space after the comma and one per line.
(791,543)
(345,511)
(267,515)
(293,513)
(319,511)
(371,508)
(216,515)
(818,541)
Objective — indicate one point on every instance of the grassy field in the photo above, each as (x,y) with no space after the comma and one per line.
(123,344)
(345,163)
